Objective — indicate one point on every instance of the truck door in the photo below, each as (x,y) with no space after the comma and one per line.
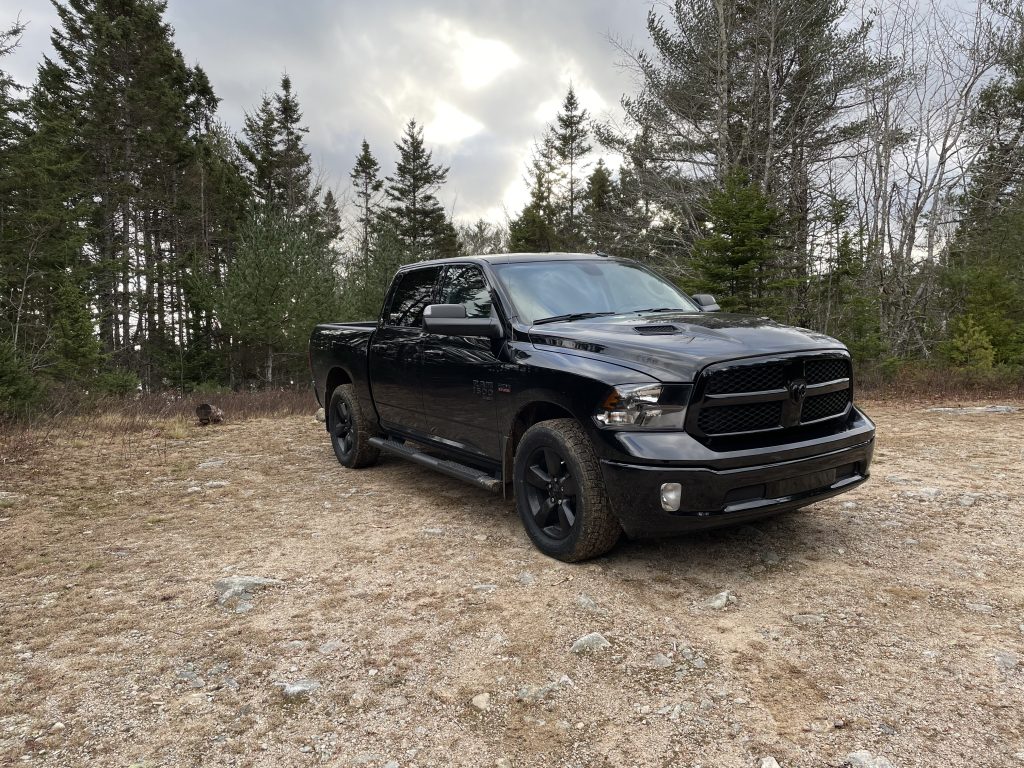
(394,355)
(459,373)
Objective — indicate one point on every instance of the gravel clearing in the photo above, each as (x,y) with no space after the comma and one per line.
(288,612)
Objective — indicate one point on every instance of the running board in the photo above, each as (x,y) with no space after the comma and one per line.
(451,468)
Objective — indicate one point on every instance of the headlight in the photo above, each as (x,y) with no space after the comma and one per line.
(644,406)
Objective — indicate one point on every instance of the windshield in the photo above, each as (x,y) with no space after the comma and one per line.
(549,289)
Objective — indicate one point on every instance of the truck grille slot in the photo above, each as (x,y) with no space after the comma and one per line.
(822,406)
(656,330)
(740,418)
(776,395)
(820,371)
(748,378)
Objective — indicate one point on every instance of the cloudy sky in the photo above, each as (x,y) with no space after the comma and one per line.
(482,76)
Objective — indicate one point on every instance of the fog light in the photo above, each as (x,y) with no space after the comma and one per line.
(671,495)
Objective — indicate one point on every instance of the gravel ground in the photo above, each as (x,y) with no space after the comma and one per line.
(405,619)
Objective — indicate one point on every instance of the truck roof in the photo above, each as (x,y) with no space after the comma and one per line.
(509,258)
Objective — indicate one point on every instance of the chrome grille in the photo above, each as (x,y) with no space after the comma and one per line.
(747,397)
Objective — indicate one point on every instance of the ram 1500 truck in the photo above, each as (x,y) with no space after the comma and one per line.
(610,401)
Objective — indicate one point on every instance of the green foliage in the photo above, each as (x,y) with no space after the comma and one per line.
(117,383)
(19,390)
(77,357)
(738,260)
(971,346)
(416,215)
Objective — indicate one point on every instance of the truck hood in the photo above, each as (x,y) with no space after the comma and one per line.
(647,344)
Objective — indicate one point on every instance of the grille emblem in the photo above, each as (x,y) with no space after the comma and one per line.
(797,390)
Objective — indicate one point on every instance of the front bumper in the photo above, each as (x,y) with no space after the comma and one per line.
(726,489)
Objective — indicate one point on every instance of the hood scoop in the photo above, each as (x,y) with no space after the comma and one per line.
(657,330)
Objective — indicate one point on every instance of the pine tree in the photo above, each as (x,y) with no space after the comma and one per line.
(418,217)
(570,140)
(600,210)
(366,179)
(294,170)
(535,229)
(258,149)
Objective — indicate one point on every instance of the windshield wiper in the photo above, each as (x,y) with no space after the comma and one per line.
(572,316)
(659,309)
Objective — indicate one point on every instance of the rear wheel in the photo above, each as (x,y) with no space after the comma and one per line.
(350,429)
(560,492)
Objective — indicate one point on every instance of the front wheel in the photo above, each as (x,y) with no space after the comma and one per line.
(350,429)
(560,493)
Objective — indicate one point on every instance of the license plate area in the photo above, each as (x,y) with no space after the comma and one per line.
(791,486)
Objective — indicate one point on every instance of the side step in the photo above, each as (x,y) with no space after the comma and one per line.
(451,468)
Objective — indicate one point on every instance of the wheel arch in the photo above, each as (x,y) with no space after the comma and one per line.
(529,414)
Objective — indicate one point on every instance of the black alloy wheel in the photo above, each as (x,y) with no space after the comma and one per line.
(349,429)
(551,493)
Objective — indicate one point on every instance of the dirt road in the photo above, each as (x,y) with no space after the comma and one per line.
(889,620)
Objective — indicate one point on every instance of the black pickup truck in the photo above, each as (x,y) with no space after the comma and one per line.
(608,399)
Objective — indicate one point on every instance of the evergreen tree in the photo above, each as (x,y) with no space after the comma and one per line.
(600,210)
(535,229)
(417,215)
(366,179)
(570,139)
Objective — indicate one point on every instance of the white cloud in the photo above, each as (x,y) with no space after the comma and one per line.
(450,125)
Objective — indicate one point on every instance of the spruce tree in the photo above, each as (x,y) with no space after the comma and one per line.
(417,216)
(570,140)
(366,179)
(535,230)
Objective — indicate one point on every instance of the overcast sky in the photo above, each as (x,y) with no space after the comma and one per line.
(482,76)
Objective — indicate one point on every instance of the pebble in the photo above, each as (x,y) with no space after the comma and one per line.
(481,702)
(298,689)
(237,592)
(502,762)
(967,500)
(212,464)
(769,762)
(484,587)
(980,608)
(661,661)
(587,603)
(720,601)
(807,619)
(536,695)
(849,505)
(526,578)
(331,646)
(595,641)
(320,415)
(217,484)
(57,727)
(770,558)
(864,759)
(1007,660)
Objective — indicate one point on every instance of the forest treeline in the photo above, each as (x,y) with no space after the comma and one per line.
(852,169)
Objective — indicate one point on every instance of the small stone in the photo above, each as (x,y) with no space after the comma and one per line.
(217,484)
(587,603)
(980,608)
(526,578)
(237,591)
(594,641)
(807,619)
(661,661)
(864,759)
(194,489)
(967,500)
(720,601)
(770,558)
(357,700)
(331,646)
(320,415)
(849,505)
(769,762)
(484,588)
(57,727)
(212,464)
(645,709)
(298,689)
(391,764)
(481,702)
(502,762)
(1007,660)
(536,695)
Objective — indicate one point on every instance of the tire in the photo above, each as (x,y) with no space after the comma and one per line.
(555,461)
(350,430)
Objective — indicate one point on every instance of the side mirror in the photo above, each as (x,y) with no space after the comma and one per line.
(706,302)
(451,320)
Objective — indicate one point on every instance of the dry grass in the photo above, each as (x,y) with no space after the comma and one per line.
(107,566)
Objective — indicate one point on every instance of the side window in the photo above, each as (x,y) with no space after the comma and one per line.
(466,286)
(411,297)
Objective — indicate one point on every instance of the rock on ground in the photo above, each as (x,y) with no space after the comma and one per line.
(481,702)
(864,759)
(595,641)
(298,689)
(237,592)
